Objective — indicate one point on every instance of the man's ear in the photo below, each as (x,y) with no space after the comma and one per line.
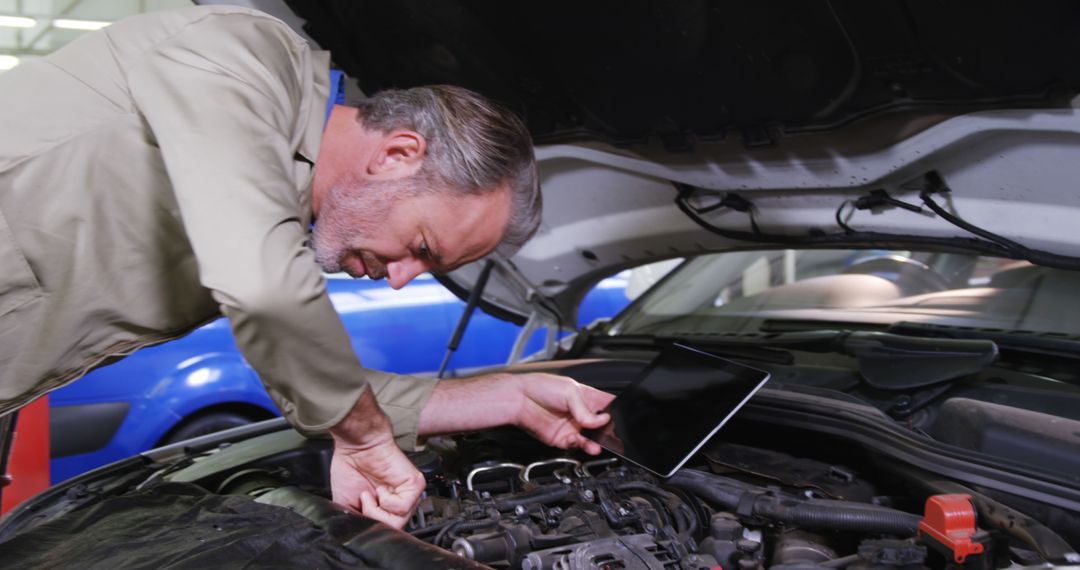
(400,154)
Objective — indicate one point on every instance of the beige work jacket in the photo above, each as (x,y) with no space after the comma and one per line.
(156,174)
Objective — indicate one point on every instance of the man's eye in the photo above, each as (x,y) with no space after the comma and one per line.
(424,250)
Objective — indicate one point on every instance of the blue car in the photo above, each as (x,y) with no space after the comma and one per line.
(200,383)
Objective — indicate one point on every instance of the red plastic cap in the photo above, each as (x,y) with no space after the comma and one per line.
(950,520)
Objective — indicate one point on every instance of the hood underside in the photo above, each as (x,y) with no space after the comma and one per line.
(789,109)
(623,72)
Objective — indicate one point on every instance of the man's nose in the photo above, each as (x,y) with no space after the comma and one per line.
(399,273)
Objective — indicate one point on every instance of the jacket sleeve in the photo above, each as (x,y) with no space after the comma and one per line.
(227,100)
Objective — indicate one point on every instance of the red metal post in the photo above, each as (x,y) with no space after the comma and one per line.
(29,463)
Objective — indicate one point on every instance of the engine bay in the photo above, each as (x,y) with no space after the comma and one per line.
(499,499)
(502,500)
(791,483)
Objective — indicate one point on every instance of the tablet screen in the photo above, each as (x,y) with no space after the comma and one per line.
(680,400)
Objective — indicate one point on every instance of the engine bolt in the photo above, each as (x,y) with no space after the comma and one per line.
(520,510)
(650,528)
(588,495)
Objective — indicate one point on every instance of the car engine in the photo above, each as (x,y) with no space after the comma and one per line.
(562,513)
(757,498)
(745,508)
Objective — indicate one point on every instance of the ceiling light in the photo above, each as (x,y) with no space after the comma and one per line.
(8,61)
(17,22)
(80,24)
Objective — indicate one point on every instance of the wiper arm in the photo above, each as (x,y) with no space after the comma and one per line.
(1064,346)
(750,349)
(925,361)
(886,361)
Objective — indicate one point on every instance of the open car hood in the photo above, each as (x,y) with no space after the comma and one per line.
(772,118)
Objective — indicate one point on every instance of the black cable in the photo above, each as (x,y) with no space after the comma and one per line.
(668,500)
(963,224)
(822,239)
(839,219)
(934,183)
(753,221)
(431,529)
(879,198)
(461,525)
(990,244)
(730,201)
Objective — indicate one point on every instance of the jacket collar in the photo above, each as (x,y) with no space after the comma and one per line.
(317,105)
(311,136)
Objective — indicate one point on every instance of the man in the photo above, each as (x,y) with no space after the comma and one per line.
(162,170)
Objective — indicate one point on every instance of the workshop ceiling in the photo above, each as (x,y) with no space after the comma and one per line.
(33,28)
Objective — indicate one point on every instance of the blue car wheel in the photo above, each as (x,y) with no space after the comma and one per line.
(206,424)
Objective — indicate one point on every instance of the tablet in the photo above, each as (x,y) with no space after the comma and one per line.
(679,401)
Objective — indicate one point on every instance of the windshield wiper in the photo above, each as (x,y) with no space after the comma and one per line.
(745,349)
(1049,344)
(924,361)
(887,361)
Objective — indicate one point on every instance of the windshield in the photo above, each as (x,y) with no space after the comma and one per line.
(739,292)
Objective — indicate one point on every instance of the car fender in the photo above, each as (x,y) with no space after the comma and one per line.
(199,383)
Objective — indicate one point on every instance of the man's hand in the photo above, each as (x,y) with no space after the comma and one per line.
(368,472)
(554,409)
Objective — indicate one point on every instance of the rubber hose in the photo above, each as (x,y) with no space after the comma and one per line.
(670,500)
(821,514)
(838,515)
(452,529)
(716,489)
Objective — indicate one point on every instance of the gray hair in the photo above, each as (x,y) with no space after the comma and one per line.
(473,146)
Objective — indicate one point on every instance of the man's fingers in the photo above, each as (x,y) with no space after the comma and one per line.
(592,399)
(400,502)
(368,504)
(345,487)
(583,415)
(596,399)
(371,509)
(589,446)
(351,502)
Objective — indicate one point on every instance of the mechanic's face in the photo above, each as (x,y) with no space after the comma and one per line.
(381,228)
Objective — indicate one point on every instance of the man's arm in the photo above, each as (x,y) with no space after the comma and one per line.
(552,408)
(227,99)
(223,97)
(368,470)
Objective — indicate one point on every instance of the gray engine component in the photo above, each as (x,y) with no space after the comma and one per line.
(633,552)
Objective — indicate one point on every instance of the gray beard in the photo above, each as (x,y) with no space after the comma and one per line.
(352,212)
